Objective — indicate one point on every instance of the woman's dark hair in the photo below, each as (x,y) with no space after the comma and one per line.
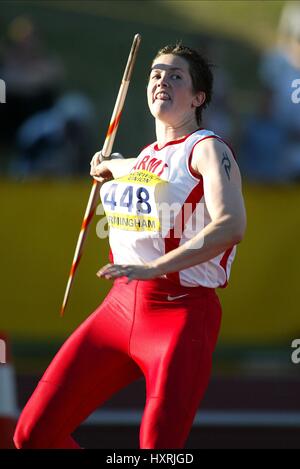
(200,71)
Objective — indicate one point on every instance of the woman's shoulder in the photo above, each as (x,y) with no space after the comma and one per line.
(201,134)
(209,138)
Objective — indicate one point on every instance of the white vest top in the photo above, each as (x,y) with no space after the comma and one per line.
(159,206)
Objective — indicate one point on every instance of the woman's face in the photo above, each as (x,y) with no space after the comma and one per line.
(170,92)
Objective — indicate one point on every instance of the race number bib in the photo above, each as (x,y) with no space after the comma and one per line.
(131,202)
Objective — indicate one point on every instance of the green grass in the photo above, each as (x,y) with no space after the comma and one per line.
(93,40)
(253,21)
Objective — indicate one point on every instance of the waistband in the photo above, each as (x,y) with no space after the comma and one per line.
(164,284)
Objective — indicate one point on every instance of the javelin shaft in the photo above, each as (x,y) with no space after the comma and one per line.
(106,152)
(116,115)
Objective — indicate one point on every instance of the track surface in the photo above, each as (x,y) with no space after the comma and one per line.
(238,412)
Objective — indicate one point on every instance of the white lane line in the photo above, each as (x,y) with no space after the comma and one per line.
(206,418)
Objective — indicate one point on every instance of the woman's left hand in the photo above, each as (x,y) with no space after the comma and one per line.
(140,272)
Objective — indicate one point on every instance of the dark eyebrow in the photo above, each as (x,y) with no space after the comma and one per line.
(164,67)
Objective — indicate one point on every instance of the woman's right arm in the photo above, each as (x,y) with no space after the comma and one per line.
(110,169)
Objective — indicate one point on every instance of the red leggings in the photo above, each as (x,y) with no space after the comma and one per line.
(139,329)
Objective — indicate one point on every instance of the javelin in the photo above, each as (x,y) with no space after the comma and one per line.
(105,152)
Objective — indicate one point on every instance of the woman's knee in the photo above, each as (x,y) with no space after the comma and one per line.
(24,437)
(33,429)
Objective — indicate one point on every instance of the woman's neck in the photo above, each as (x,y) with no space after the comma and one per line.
(166,133)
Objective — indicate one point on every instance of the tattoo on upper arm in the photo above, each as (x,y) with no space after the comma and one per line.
(227,164)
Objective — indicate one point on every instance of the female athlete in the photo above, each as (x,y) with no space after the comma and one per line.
(175,215)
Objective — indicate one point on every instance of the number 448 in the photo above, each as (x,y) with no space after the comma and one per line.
(126,200)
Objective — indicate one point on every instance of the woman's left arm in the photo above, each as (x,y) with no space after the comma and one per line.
(224,201)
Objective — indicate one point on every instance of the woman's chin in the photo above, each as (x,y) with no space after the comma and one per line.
(163,115)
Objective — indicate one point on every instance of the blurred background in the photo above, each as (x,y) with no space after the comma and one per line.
(62,64)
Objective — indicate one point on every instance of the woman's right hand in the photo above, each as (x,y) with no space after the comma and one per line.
(100,168)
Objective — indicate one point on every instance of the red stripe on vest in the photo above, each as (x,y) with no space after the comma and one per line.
(171,242)
(223,264)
